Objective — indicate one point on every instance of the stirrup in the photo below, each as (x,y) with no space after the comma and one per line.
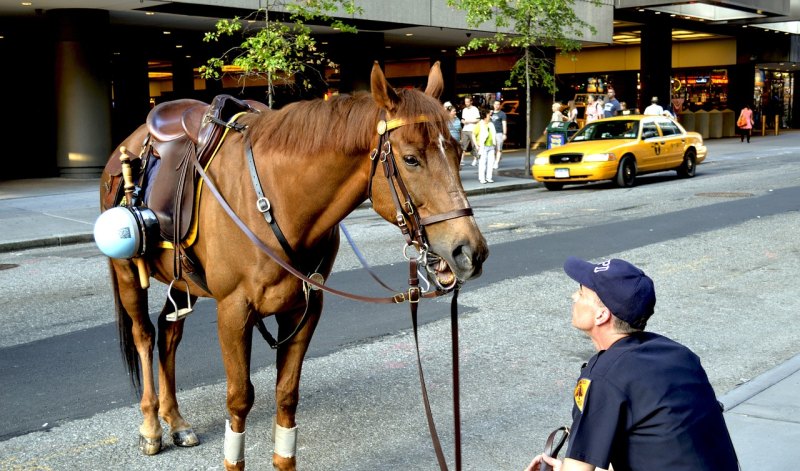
(179,314)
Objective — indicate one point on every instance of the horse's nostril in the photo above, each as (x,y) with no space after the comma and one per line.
(463,257)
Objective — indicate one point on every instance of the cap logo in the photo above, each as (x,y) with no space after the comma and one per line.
(603,266)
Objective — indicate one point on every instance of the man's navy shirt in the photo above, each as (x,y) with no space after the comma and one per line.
(647,405)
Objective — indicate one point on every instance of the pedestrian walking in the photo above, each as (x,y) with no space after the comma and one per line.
(470,116)
(557,114)
(611,106)
(745,123)
(643,402)
(572,112)
(454,125)
(594,109)
(500,121)
(485,136)
(654,108)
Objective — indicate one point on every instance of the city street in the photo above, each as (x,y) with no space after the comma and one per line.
(722,249)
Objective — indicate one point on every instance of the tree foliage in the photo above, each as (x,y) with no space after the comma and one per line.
(531,27)
(526,26)
(279,49)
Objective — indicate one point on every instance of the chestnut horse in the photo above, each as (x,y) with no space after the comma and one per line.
(313,159)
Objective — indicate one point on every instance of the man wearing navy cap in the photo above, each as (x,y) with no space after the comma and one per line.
(643,402)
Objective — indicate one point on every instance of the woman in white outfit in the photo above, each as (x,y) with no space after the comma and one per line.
(485,137)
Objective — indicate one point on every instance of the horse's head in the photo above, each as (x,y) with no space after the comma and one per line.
(427,160)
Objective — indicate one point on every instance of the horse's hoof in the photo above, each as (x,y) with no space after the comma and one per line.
(185,438)
(149,446)
(239,466)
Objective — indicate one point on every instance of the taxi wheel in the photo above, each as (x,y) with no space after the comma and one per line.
(626,173)
(688,167)
(553,186)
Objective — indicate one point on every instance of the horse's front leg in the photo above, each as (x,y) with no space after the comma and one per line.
(289,363)
(169,336)
(235,329)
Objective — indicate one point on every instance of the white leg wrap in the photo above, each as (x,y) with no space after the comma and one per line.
(234,444)
(285,441)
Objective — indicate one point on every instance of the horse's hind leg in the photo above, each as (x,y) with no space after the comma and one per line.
(139,331)
(169,336)
(289,363)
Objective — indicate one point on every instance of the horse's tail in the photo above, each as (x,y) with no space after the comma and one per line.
(126,344)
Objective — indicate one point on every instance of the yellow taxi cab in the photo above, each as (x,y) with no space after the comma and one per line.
(619,149)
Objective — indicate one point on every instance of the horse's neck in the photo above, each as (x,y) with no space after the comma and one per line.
(322,192)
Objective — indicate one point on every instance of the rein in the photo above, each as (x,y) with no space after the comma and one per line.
(411,225)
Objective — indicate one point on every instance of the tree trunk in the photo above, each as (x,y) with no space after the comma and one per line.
(527,113)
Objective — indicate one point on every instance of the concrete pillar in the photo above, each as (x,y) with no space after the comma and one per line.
(27,124)
(182,78)
(83,97)
(131,87)
(656,62)
(741,84)
(355,68)
(448,63)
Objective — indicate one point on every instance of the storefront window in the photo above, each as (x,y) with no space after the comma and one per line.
(772,97)
(701,89)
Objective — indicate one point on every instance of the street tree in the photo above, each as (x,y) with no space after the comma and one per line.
(534,28)
(277,42)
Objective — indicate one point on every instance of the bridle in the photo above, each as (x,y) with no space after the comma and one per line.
(411,225)
(407,217)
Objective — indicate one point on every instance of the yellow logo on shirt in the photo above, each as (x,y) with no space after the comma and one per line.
(581,389)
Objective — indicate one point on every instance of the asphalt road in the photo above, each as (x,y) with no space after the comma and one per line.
(721,247)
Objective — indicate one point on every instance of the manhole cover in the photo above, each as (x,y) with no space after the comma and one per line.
(7,266)
(726,194)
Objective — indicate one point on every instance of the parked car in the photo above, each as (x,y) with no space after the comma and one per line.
(620,149)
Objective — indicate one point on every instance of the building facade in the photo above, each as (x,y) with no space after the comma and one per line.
(79,79)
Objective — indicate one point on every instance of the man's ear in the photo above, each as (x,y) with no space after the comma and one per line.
(602,315)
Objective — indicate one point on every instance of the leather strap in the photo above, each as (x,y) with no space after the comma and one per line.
(552,447)
(397,298)
(456,213)
(263,204)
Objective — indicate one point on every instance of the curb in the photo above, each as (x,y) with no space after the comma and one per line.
(55,241)
(760,383)
(61,240)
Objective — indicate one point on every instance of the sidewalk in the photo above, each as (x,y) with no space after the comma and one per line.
(762,414)
(45,212)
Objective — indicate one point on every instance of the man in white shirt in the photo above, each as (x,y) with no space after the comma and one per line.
(470,115)
(654,108)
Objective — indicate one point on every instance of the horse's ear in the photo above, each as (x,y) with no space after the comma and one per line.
(382,92)
(435,81)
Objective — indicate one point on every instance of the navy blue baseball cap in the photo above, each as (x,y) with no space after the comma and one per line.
(625,290)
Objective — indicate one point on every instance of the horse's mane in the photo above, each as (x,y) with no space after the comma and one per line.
(344,124)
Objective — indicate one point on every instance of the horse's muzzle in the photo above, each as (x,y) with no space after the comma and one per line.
(468,260)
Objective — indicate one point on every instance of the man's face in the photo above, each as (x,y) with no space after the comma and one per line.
(585,304)
(496,106)
(610,94)
(467,101)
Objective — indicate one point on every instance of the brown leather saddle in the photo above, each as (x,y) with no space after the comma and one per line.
(178,130)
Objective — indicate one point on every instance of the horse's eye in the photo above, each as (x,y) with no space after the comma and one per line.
(410,160)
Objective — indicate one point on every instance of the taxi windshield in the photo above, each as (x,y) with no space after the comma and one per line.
(600,130)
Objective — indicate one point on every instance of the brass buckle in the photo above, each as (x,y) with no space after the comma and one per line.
(409,207)
(399,298)
(413,294)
